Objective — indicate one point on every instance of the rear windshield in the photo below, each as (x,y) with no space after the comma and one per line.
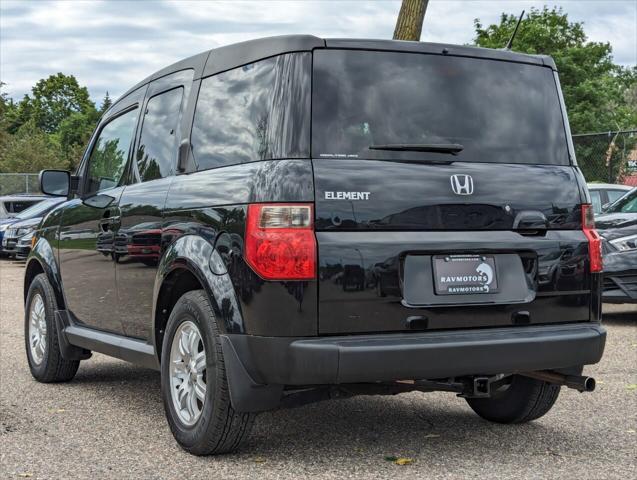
(497,111)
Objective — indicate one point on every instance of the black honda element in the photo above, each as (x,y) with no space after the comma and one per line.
(295,219)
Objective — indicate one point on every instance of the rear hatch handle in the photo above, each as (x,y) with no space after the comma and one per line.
(530,220)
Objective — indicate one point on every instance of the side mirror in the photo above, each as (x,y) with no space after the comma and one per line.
(55,182)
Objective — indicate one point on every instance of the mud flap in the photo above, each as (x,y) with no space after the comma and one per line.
(245,394)
(68,351)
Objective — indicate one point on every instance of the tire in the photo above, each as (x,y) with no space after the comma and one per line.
(46,362)
(524,399)
(218,428)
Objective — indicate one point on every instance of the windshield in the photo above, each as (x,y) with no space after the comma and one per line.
(626,204)
(485,110)
(38,209)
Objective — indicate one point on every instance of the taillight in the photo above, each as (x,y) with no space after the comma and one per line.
(280,242)
(594,240)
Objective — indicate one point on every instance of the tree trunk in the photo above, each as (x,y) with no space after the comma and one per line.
(409,22)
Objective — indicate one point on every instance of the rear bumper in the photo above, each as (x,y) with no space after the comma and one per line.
(262,361)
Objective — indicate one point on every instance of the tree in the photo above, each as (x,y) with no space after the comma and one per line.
(6,107)
(106,103)
(73,136)
(596,91)
(48,128)
(30,150)
(410,18)
(56,98)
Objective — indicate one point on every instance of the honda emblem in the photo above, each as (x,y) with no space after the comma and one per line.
(462,184)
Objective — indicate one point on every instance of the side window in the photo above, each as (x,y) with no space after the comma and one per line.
(614,195)
(110,153)
(258,111)
(157,149)
(597,201)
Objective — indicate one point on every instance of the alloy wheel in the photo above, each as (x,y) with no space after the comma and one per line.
(188,373)
(37,329)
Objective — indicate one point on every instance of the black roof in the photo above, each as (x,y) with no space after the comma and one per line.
(231,56)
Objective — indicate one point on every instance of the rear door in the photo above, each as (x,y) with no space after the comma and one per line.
(445,194)
(89,224)
(138,242)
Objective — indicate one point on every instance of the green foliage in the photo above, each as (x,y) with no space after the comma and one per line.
(6,105)
(599,95)
(29,151)
(73,135)
(106,103)
(56,98)
(48,128)
(107,162)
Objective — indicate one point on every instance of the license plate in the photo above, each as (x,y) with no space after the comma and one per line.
(464,274)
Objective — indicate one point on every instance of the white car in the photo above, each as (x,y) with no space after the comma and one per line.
(605,194)
(10,205)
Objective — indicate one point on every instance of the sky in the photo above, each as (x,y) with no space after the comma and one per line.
(110,45)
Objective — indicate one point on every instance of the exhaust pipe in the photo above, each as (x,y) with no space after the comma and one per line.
(577,382)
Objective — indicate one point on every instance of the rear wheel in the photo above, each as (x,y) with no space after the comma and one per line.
(41,336)
(194,382)
(523,400)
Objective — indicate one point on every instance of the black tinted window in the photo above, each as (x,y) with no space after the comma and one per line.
(255,112)
(110,152)
(158,142)
(21,205)
(498,111)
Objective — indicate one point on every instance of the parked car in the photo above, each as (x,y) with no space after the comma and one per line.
(603,194)
(11,205)
(16,232)
(618,227)
(311,162)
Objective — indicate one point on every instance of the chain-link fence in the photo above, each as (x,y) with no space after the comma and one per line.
(11,183)
(609,157)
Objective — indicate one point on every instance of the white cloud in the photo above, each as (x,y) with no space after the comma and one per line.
(111,45)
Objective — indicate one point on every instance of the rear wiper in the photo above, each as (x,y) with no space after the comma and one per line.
(452,148)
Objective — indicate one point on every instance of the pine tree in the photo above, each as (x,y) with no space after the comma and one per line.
(106,103)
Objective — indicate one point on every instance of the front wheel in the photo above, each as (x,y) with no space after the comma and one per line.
(41,336)
(522,400)
(194,383)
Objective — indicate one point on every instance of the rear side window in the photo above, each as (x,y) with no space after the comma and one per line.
(255,112)
(110,152)
(158,142)
(500,112)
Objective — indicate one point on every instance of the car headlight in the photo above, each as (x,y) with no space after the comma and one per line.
(624,244)
(26,239)
(24,231)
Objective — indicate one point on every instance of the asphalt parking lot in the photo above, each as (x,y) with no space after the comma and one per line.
(109,423)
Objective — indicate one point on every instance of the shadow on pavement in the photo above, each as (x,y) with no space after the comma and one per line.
(408,424)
